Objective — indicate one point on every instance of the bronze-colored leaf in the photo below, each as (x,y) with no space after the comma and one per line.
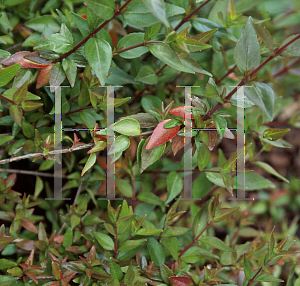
(177,143)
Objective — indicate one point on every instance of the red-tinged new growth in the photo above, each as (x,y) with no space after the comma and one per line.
(180,111)
(161,135)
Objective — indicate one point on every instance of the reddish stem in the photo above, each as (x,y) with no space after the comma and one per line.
(12,102)
(277,52)
(91,34)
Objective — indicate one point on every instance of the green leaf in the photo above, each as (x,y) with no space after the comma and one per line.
(103,9)
(89,164)
(144,119)
(147,75)
(5,138)
(211,91)
(293,50)
(149,198)
(152,31)
(68,238)
(105,240)
(40,23)
(4,54)
(247,50)
(57,76)
(247,268)
(91,220)
(121,144)
(265,35)
(148,231)
(172,245)
(16,113)
(216,243)
(165,273)
(148,157)
(201,220)
(263,96)
(99,55)
(253,182)
(223,214)
(164,53)
(127,126)
(81,24)
(70,70)
(7,74)
(156,251)
(174,186)
(87,119)
(267,278)
(124,187)
(27,128)
(191,64)
(203,157)
(150,101)
(158,10)
(271,170)
(7,280)
(274,134)
(57,43)
(228,181)
(75,220)
(5,263)
(137,14)
(115,270)
(130,244)
(129,276)
(131,40)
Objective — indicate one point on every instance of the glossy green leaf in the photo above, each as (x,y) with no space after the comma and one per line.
(70,70)
(158,10)
(127,126)
(147,75)
(270,170)
(174,186)
(152,31)
(172,245)
(7,74)
(149,198)
(103,9)
(5,138)
(247,50)
(99,55)
(27,128)
(263,96)
(105,240)
(274,134)
(216,243)
(131,40)
(200,220)
(203,157)
(148,157)
(156,251)
(81,24)
(57,76)
(89,164)
(164,53)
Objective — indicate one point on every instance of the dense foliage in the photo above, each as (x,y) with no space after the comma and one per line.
(149,50)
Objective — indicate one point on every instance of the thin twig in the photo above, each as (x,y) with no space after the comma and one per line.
(32,155)
(74,202)
(10,101)
(277,52)
(287,68)
(191,244)
(137,46)
(63,56)
(32,173)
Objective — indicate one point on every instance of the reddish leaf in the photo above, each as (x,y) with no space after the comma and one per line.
(161,135)
(44,76)
(15,58)
(180,111)
(177,143)
(83,16)
(30,64)
(30,258)
(181,280)
(29,225)
(32,276)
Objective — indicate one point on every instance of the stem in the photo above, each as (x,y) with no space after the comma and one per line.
(133,193)
(78,110)
(253,278)
(93,33)
(226,75)
(277,52)
(286,69)
(136,46)
(32,173)
(67,150)
(186,18)
(10,101)
(191,244)
(116,241)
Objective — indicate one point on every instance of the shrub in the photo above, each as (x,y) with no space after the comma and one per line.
(142,82)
